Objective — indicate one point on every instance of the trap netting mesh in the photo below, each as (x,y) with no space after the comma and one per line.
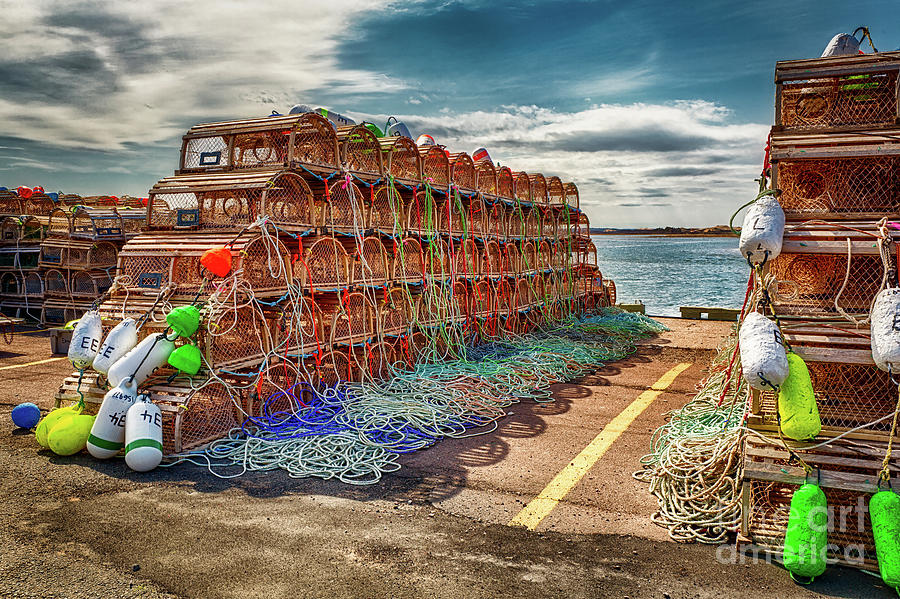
(838,101)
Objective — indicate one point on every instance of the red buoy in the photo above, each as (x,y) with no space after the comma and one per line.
(217,261)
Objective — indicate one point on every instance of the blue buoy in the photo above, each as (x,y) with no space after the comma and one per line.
(26,415)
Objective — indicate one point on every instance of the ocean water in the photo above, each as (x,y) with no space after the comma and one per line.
(668,272)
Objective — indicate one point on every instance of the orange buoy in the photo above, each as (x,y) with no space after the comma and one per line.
(24,192)
(217,261)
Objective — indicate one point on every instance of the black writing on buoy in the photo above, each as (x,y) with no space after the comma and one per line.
(89,343)
(108,351)
(155,419)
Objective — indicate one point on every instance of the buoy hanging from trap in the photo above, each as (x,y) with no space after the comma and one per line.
(187,359)
(108,432)
(396,128)
(85,340)
(884,512)
(762,232)
(806,538)
(217,261)
(763,356)
(119,341)
(184,320)
(142,360)
(143,436)
(797,410)
(885,330)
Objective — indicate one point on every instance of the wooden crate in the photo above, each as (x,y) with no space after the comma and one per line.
(837,93)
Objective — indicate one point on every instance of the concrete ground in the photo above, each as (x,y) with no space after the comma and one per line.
(77,527)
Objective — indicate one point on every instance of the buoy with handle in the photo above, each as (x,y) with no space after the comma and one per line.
(806,538)
(885,330)
(139,363)
(108,432)
(763,356)
(85,340)
(798,413)
(884,511)
(119,341)
(763,230)
(143,435)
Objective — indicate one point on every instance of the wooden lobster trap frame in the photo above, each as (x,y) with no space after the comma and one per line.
(460,302)
(530,264)
(150,263)
(231,201)
(438,261)
(466,259)
(505,297)
(409,261)
(586,255)
(388,212)
(548,225)
(89,284)
(300,329)
(452,217)
(192,418)
(308,140)
(76,254)
(561,258)
(514,264)
(360,151)
(395,313)
(533,223)
(539,192)
(609,287)
(20,258)
(837,93)
(334,367)
(837,176)
(524,294)
(423,215)
(565,221)
(506,187)
(486,178)
(100,224)
(433,306)
(492,262)
(556,192)
(352,318)
(39,205)
(370,265)
(20,230)
(435,167)
(522,187)
(56,283)
(324,267)
(61,311)
(570,199)
(477,215)
(516,222)
(59,222)
(581,227)
(401,159)
(484,300)
(462,172)
(545,256)
(495,221)
(10,203)
(239,337)
(346,209)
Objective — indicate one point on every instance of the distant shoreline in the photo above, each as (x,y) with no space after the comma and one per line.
(717,231)
(660,234)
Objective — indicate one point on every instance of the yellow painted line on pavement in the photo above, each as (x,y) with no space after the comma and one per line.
(539,507)
(32,363)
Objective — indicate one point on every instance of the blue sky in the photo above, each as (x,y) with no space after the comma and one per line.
(658,110)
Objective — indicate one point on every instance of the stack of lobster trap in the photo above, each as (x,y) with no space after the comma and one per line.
(351,256)
(835,156)
(57,251)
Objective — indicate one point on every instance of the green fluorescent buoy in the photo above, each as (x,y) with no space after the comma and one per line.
(884,511)
(806,540)
(797,407)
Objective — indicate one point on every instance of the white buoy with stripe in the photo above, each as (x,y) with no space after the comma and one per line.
(763,356)
(85,340)
(763,231)
(108,433)
(143,435)
(148,355)
(885,330)
(118,342)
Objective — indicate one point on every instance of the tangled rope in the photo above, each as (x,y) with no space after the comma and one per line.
(354,432)
(693,464)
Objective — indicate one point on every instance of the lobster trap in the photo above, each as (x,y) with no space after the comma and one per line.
(484,300)
(495,224)
(529,263)
(837,93)
(401,159)
(346,209)
(352,318)
(89,284)
(422,214)
(59,222)
(61,311)
(514,264)
(451,218)
(408,261)
(466,259)
(506,187)
(20,230)
(492,262)
(237,337)
(435,167)
(300,329)
(170,262)
(462,172)
(75,254)
(539,191)
(231,201)
(334,368)
(106,223)
(387,214)
(556,192)
(10,203)
(194,418)
(13,284)
(438,261)
(360,151)
(522,187)
(39,205)
(486,178)
(324,267)
(570,199)
(581,227)
(395,313)
(477,214)
(56,283)
(370,266)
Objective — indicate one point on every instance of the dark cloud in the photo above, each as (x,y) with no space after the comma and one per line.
(681,171)
(642,204)
(652,192)
(644,139)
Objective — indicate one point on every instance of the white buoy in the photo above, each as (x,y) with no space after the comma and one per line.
(85,340)
(763,356)
(118,342)
(763,231)
(108,432)
(842,44)
(142,360)
(885,330)
(143,435)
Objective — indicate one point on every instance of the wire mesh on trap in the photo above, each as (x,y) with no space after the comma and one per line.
(492,259)
(486,177)
(581,227)
(452,217)
(548,225)
(843,187)
(260,149)
(360,150)
(334,367)
(847,396)
(346,210)
(477,217)
(193,419)
(514,264)
(325,265)
(813,284)
(495,221)
(370,266)
(529,259)
(825,102)
(506,187)
(556,192)
(571,196)
(39,204)
(395,313)
(237,337)
(89,284)
(33,285)
(11,284)
(435,166)
(460,302)
(545,256)
(56,283)
(400,158)
(524,296)
(300,329)
(539,193)
(97,223)
(315,143)
(353,320)
(15,230)
(438,260)
(466,259)
(422,214)
(483,298)
(516,226)
(533,223)
(462,171)
(10,203)
(409,261)
(387,214)
(59,223)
